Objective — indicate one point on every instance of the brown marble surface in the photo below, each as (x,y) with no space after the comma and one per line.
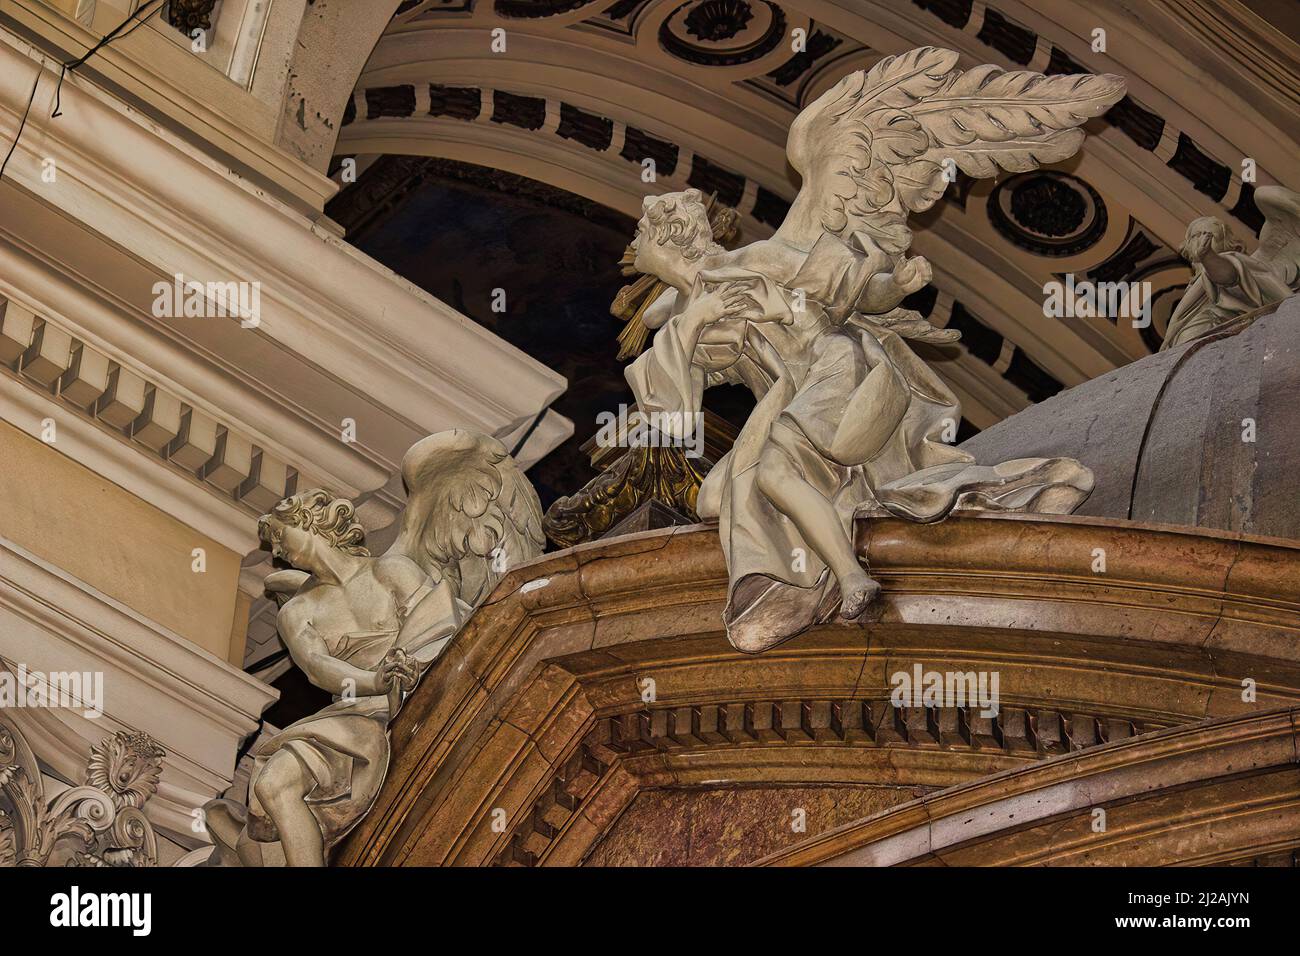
(732,827)
(531,737)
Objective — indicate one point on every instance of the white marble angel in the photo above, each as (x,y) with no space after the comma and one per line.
(848,419)
(1227,282)
(365,628)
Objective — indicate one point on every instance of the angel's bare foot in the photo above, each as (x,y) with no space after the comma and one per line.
(858,591)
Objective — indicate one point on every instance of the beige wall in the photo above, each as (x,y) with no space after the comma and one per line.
(115,542)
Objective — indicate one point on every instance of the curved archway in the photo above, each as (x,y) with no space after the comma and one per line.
(579,96)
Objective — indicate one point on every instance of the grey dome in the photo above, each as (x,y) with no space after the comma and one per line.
(1164,435)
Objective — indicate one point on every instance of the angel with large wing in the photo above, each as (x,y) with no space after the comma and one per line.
(1228,282)
(365,628)
(848,418)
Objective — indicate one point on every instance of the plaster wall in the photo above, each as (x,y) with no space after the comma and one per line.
(117,543)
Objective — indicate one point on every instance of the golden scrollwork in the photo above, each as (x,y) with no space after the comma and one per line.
(664,474)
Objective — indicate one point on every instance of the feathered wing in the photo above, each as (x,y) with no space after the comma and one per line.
(871,149)
(1279,240)
(471,514)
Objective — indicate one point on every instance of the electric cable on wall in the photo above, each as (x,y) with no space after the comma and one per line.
(65,68)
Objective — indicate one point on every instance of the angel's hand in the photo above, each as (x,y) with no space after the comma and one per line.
(730,300)
(397,671)
(887,289)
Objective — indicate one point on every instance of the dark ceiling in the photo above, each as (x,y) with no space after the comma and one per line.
(461,232)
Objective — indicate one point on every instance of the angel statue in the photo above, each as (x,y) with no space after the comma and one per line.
(848,419)
(365,628)
(1227,282)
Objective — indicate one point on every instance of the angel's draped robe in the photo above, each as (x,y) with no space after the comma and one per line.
(1207,304)
(803,361)
(343,747)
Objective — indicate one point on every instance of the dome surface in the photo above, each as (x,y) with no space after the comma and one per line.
(1206,434)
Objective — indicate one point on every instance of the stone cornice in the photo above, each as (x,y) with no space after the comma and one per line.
(548,677)
(377,336)
(219,517)
(1209,793)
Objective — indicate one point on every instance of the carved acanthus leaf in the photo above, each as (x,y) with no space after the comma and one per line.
(99,824)
(644,473)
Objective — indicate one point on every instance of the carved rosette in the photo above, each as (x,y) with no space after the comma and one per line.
(98,824)
(190,15)
(723,32)
(1048,212)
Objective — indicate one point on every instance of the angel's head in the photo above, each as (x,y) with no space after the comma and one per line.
(674,234)
(1205,235)
(303,523)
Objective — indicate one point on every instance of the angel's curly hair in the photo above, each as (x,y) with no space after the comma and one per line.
(317,511)
(682,219)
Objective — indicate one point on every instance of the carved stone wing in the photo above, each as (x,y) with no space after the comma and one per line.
(1279,240)
(471,514)
(873,148)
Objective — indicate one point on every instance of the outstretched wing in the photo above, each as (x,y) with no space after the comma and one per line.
(873,148)
(1279,240)
(471,514)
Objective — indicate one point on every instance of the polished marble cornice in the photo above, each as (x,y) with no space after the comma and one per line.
(538,708)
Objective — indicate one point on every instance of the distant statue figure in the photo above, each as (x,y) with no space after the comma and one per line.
(1228,282)
(365,628)
(848,418)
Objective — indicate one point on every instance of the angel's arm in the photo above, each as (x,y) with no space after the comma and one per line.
(670,376)
(1219,269)
(310,653)
(660,310)
(885,290)
(426,610)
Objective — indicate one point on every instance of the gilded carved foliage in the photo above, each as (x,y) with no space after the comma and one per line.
(666,474)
